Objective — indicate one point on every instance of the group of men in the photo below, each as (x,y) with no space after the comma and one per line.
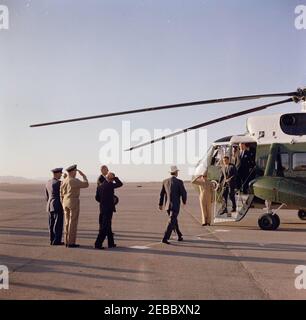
(236,174)
(63,205)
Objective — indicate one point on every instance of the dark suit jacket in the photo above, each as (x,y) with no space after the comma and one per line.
(105,194)
(172,192)
(100,180)
(53,196)
(230,173)
(246,163)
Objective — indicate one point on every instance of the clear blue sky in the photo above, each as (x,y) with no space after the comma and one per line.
(68,58)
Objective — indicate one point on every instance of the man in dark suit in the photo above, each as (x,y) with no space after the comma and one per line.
(172,192)
(228,182)
(245,166)
(105,196)
(55,208)
(102,177)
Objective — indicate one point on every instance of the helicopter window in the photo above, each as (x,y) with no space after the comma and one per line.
(262,162)
(299,161)
(281,164)
(218,154)
(285,161)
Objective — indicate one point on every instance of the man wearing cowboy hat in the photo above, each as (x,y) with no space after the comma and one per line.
(172,192)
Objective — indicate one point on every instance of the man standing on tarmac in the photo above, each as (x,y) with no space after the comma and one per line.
(55,208)
(105,196)
(104,171)
(172,192)
(70,194)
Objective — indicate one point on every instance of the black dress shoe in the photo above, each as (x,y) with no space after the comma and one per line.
(165,241)
(58,243)
(73,246)
(180,239)
(99,248)
(234,210)
(204,224)
(223,212)
(112,246)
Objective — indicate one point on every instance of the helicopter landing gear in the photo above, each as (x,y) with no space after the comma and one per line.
(269,221)
(302,214)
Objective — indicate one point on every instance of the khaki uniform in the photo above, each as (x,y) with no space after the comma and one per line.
(206,199)
(70,194)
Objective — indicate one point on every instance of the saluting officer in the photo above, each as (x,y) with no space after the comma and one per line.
(206,197)
(70,194)
(55,208)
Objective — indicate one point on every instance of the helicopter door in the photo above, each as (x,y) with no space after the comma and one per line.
(243,201)
(215,160)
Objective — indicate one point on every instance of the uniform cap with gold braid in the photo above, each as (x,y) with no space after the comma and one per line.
(71,168)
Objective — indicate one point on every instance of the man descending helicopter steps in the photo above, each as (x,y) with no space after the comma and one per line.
(228,182)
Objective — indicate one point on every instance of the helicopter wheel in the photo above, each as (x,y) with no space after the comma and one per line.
(302,214)
(265,222)
(276,221)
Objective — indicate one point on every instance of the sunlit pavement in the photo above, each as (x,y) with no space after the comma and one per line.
(228,261)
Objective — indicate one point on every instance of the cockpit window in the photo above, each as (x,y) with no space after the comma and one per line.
(218,153)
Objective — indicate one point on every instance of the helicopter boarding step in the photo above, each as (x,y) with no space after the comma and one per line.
(243,202)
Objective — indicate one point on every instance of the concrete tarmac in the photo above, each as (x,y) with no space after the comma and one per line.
(226,261)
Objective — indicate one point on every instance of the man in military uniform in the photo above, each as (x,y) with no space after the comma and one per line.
(70,194)
(206,197)
(172,192)
(54,208)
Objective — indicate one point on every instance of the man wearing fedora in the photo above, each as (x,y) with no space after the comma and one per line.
(172,192)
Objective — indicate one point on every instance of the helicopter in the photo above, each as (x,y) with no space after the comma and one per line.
(279,145)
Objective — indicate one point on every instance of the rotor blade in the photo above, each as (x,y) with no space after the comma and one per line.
(170,106)
(204,124)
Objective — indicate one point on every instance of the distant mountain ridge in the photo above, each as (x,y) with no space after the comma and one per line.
(18,180)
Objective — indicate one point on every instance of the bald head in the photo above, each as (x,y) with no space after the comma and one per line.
(110,176)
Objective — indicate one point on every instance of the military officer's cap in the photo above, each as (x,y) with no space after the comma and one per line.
(57,170)
(72,168)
